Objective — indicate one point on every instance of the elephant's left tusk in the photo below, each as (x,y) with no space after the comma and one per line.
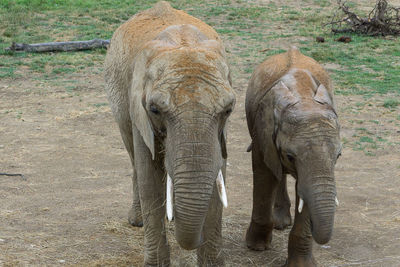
(170,192)
(336,202)
(221,189)
(301,203)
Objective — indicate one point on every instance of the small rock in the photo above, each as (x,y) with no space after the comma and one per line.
(61,261)
(2,240)
(320,39)
(344,39)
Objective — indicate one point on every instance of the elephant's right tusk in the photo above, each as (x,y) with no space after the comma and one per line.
(170,192)
(301,203)
(221,189)
(336,202)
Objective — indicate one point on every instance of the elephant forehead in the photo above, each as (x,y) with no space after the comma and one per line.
(200,93)
(312,131)
(192,75)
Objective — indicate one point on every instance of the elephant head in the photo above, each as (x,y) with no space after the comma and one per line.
(306,143)
(181,91)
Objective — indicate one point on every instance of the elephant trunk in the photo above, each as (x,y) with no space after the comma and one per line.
(319,193)
(191,207)
(195,159)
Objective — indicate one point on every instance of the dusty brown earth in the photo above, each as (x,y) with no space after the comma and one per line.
(70,208)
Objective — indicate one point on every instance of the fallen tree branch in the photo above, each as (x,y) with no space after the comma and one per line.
(382,20)
(60,46)
(13,174)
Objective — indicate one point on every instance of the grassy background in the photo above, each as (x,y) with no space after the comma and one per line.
(367,66)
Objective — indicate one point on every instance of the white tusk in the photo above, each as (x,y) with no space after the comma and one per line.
(301,203)
(336,202)
(170,192)
(221,189)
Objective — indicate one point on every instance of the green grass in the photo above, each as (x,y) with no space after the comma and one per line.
(391,103)
(367,65)
(98,105)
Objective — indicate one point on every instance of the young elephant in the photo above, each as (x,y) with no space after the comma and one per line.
(170,92)
(294,130)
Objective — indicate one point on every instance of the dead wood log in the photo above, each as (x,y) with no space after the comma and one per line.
(60,46)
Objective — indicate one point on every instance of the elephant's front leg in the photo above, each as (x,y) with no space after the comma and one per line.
(135,213)
(210,253)
(300,240)
(259,233)
(282,218)
(151,191)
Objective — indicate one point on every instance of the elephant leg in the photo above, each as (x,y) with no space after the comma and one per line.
(282,218)
(259,233)
(150,176)
(300,240)
(135,213)
(209,254)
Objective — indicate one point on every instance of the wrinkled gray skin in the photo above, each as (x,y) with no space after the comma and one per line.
(294,130)
(172,106)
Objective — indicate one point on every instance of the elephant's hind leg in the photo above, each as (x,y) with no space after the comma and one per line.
(259,233)
(282,218)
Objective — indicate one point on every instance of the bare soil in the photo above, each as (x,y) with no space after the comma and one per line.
(71,208)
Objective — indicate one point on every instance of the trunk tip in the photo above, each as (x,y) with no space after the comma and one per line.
(188,241)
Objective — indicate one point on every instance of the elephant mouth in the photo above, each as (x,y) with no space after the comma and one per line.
(170,194)
(301,204)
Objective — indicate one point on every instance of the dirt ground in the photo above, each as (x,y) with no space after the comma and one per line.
(70,208)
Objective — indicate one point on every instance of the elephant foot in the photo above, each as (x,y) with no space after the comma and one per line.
(300,261)
(259,237)
(135,217)
(158,257)
(282,218)
(210,255)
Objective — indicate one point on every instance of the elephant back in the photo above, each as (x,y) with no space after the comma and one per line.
(143,27)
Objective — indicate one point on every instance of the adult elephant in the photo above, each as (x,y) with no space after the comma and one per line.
(170,92)
(294,129)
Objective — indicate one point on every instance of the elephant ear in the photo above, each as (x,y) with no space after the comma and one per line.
(138,92)
(282,98)
(322,95)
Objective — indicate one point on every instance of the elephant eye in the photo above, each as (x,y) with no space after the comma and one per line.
(228,111)
(154,109)
(290,157)
(340,153)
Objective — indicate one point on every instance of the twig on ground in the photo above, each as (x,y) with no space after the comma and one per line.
(13,174)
